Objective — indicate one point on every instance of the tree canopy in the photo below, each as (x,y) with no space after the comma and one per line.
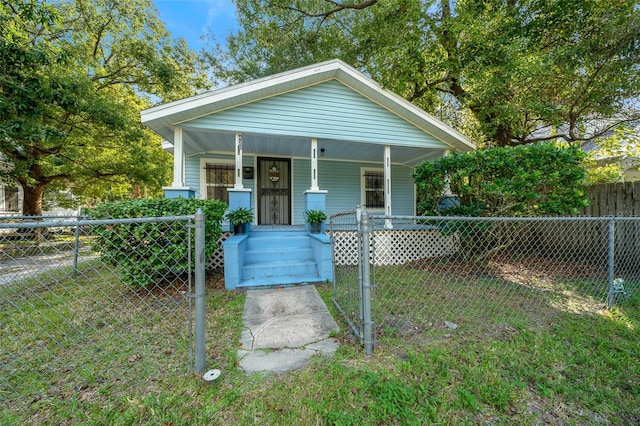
(73,77)
(505,72)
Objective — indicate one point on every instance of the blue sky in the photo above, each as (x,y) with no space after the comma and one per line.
(191,19)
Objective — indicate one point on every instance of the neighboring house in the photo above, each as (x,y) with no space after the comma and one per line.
(319,137)
(11,196)
(10,200)
(11,203)
(626,155)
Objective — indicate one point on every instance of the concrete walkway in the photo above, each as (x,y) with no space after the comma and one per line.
(284,328)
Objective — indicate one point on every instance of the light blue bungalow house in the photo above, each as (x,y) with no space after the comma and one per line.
(321,137)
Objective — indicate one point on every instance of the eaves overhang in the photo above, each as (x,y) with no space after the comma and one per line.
(162,118)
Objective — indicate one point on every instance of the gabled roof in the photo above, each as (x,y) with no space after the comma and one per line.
(162,117)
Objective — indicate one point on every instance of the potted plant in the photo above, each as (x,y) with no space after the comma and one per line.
(239,218)
(315,219)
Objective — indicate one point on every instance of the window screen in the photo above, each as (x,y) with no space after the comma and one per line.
(219,177)
(374,189)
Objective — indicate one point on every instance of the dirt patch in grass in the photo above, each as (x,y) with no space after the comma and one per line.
(449,296)
(531,270)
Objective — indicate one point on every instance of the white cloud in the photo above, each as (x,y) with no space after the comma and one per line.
(220,14)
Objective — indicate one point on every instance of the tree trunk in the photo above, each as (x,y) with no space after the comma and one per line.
(503,136)
(32,203)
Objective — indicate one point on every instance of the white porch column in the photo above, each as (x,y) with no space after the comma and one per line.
(387,180)
(447,185)
(314,165)
(238,180)
(178,159)
(314,197)
(387,184)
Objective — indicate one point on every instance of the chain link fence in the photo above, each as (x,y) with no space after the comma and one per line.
(76,326)
(431,275)
(346,245)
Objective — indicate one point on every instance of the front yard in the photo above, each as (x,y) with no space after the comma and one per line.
(581,368)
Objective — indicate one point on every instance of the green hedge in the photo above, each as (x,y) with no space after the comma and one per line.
(149,253)
(529,180)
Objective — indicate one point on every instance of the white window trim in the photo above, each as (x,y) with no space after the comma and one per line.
(203,173)
(363,196)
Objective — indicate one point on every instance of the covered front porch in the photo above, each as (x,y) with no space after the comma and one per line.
(323,137)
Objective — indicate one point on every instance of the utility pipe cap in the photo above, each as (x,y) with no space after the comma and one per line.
(211,375)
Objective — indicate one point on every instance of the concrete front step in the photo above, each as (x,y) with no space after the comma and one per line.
(275,258)
(269,255)
(279,269)
(277,281)
(260,241)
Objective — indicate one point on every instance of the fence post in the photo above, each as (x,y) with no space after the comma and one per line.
(611,253)
(360,255)
(76,248)
(365,259)
(200,292)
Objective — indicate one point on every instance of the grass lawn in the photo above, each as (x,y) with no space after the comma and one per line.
(581,368)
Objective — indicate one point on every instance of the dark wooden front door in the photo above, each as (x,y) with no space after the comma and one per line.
(274,191)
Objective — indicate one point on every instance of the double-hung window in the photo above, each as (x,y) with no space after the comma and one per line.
(373,189)
(218,177)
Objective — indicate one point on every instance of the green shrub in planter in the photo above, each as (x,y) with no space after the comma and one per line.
(240,215)
(147,253)
(315,217)
(239,218)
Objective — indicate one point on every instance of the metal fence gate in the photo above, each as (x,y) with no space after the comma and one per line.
(418,278)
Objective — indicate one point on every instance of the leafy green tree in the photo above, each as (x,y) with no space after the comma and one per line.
(528,180)
(73,77)
(504,72)
(611,156)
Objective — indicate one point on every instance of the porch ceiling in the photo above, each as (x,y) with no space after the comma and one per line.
(198,141)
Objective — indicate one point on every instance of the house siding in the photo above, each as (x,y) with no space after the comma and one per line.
(192,170)
(328,110)
(301,182)
(340,178)
(192,174)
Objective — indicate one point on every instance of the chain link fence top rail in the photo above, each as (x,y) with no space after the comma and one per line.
(72,328)
(432,275)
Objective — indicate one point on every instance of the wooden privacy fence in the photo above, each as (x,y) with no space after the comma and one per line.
(579,239)
(613,199)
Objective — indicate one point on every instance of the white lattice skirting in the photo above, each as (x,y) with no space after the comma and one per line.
(390,246)
(216,261)
(395,246)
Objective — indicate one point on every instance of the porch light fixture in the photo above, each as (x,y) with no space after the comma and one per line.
(321,152)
